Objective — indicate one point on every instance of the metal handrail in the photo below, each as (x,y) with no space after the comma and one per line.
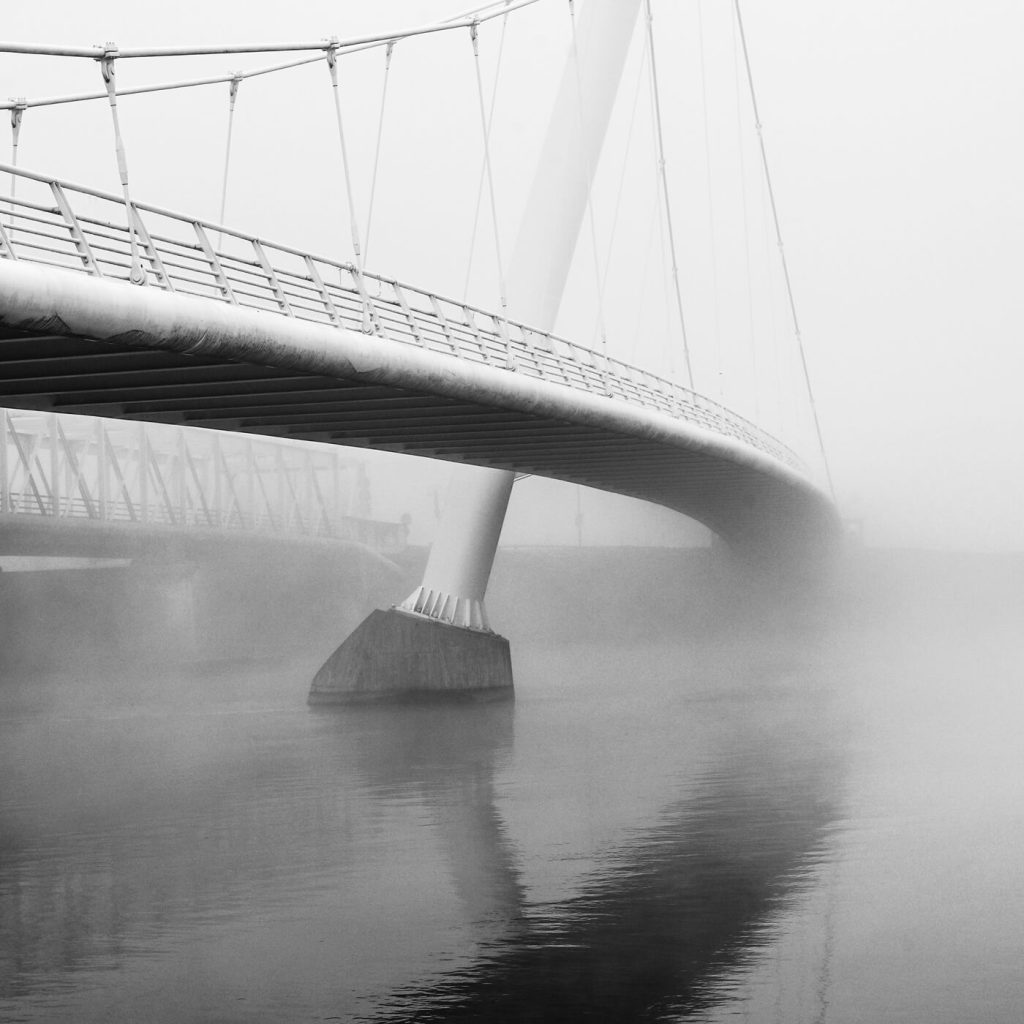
(360,301)
(154,474)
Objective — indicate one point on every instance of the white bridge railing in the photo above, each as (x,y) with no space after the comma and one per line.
(73,467)
(59,224)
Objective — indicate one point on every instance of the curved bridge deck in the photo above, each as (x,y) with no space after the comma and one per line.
(240,334)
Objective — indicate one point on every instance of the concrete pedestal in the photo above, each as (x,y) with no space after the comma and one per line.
(396,656)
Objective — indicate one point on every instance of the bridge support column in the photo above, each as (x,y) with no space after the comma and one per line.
(438,641)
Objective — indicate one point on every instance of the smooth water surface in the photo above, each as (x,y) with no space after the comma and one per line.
(819,825)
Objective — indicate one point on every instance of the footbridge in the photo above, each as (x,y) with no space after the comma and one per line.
(123,309)
(238,333)
(93,487)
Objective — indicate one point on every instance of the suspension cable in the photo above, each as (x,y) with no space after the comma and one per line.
(782,250)
(780,404)
(332,65)
(487,163)
(746,227)
(653,225)
(658,222)
(138,90)
(137,274)
(342,48)
(625,165)
(664,187)
(483,170)
(715,294)
(588,180)
(232,96)
(376,151)
(17,112)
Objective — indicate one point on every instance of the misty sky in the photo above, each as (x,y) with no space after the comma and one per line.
(896,139)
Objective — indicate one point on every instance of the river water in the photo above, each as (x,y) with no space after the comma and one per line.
(822,822)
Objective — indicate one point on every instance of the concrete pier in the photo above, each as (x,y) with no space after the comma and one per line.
(398,655)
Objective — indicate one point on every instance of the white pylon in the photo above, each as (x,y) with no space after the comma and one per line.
(462,554)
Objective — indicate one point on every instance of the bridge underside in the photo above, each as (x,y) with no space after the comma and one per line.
(76,344)
(84,376)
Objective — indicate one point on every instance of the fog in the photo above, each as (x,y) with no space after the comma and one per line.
(896,152)
(719,792)
(712,797)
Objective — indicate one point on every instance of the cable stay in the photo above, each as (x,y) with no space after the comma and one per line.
(17,109)
(715,292)
(664,265)
(625,165)
(17,112)
(189,83)
(664,187)
(483,167)
(752,337)
(376,152)
(780,404)
(332,65)
(656,229)
(653,226)
(137,275)
(487,164)
(782,250)
(232,96)
(586,172)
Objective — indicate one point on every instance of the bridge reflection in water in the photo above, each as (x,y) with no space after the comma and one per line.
(563,859)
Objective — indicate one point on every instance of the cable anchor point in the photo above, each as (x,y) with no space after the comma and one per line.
(17,112)
(106,61)
(331,53)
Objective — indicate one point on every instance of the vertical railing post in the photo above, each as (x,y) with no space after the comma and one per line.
(152,254)
(410,319)
(180,486)
(250,482)
(216,269)
(126,495)
(74,477)
(101,471)
(5,483)
(26,454)
(71,223)
(445,326)
(308,490)
(511,363)
(370,322)
(143,456)
(335,492)
(282,502)
(6,247)
(325,295)
(218,481)
(55,489)
(272,279)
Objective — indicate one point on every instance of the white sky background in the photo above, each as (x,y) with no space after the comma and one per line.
(895,133)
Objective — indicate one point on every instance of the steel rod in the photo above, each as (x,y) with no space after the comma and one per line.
(98,52)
